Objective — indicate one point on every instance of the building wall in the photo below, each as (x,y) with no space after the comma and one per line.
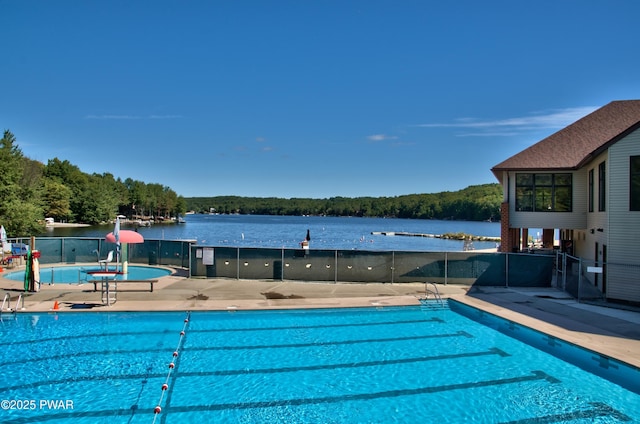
(595,220)
(575,219)
(611,236)
(622,228)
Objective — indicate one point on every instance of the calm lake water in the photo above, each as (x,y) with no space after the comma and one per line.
(288,231)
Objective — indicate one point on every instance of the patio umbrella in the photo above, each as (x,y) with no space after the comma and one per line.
(116,235)
(124,237)
(3,237)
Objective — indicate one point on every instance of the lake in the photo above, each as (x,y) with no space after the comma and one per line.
(343,233)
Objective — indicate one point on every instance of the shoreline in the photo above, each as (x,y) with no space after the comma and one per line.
(66,225)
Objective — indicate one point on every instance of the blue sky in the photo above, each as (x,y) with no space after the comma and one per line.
(307,98)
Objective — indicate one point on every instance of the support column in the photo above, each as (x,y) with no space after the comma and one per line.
(506,235)
(515,239)
(547,238)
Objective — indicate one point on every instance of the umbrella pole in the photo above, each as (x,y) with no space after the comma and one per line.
(125,256)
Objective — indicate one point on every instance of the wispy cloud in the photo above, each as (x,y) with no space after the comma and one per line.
(261,140)
(381,137)
(131,117)
(552,119)
(165,116)
(402,143)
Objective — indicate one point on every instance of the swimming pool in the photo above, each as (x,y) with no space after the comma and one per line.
(354,365)
(77,274)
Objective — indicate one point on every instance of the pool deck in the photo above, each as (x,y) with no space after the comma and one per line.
(611,331)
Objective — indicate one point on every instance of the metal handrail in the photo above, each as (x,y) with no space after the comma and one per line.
(4,302)
(20,299)
(436,293)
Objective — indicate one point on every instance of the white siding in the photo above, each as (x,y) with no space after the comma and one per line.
(595,220)
(623,235)
(575,219)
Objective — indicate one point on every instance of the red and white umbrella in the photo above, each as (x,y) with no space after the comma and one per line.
(125,237)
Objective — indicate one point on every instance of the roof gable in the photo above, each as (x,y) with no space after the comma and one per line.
(575,144)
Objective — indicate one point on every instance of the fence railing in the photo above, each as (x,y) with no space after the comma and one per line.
(479,268)
(489,269)
(71,250)
(586,279)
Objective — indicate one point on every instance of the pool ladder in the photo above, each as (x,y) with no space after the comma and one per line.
(436,302)
(6,304)
(109,289)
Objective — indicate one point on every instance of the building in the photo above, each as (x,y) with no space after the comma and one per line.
(583,183)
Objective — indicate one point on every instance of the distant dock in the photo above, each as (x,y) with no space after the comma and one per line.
(454,236)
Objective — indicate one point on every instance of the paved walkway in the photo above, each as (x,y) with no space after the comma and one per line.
(610,331)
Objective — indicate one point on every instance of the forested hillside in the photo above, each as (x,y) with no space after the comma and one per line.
(31,191)
(474,203)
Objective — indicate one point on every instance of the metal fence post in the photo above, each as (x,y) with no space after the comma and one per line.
(237,263)
(282,264)
(564,272)
(335,266)
(393,265)
(506,268)
(579,277)
(446,267)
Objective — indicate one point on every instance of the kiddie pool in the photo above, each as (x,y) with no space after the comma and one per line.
(80,274)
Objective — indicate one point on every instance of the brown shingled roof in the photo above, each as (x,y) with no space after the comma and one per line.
(574,145)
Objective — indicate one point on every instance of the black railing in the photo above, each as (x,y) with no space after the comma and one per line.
(479,268)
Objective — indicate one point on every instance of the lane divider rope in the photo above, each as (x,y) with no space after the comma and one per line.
(158,409)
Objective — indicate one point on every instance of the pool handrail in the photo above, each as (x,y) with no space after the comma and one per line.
(7,302)
(4,302)
(20,299)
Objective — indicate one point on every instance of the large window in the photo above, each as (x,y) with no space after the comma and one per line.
(543,192)
(634,183)
(602,204)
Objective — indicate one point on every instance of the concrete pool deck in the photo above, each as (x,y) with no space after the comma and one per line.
(610,331)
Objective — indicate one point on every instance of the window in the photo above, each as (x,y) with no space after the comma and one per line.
(543,192)
(591,190)
(634,183)
(601,188)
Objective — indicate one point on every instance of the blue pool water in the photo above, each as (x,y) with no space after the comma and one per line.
(371,365)
(77,274)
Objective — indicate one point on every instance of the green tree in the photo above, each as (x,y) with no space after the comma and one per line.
(57,200)
(20,210)
(78,182)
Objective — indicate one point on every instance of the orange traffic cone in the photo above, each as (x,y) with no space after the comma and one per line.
(56,306)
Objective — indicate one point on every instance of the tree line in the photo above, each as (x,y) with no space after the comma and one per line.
(474,203)
(31,191)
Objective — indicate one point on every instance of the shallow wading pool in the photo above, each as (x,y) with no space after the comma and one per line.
(353,365)
(81,274)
